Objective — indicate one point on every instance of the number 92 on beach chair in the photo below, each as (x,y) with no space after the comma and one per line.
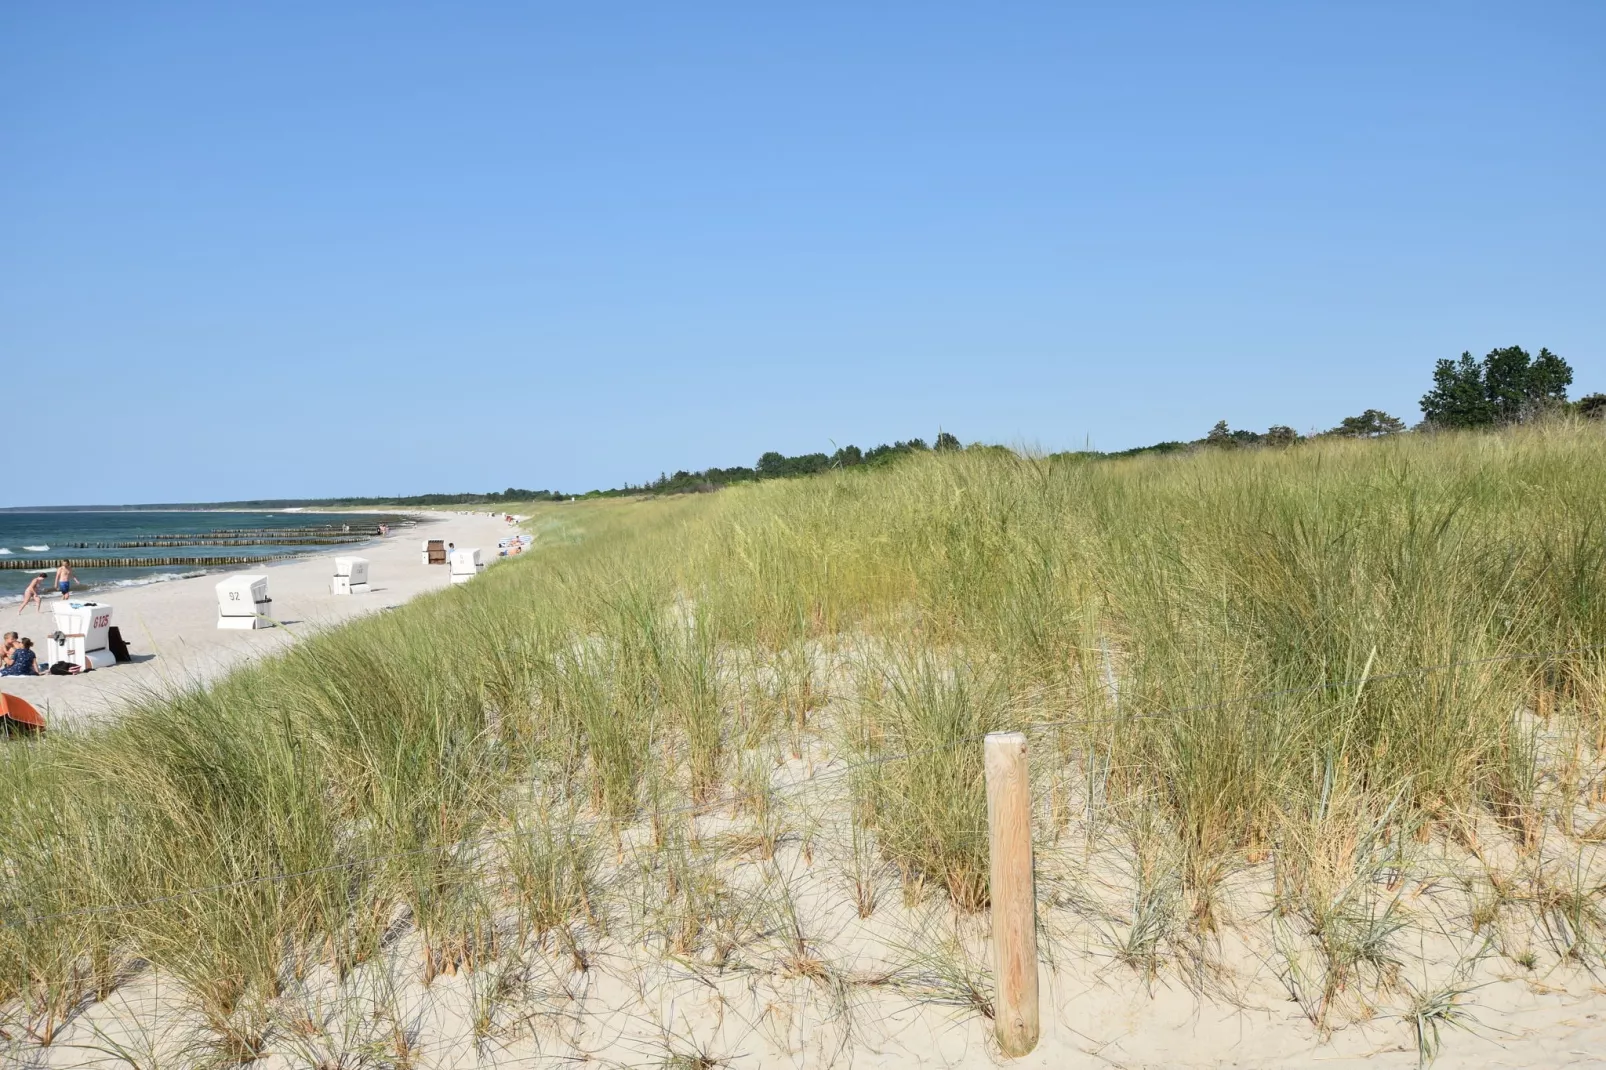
(243,603)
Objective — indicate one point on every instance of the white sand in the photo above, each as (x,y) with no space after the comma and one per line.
(637,1002)
(171,627)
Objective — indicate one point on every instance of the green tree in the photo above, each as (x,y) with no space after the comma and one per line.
(1457,398)
(1548,378)
(1505,387)
(1592,406)
(773,465)
(1281,435)
(945,441)
(1505,381)
(1220,435)
(1372,423)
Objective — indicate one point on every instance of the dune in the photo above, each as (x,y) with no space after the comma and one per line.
(699,784)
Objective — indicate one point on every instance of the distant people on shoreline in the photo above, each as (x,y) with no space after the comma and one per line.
(64,578)
(32,595)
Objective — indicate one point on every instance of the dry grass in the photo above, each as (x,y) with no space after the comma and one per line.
(607,744)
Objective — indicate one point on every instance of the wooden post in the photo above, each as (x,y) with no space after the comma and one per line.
(1014,895)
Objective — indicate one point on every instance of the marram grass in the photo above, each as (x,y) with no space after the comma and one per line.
(1307,655)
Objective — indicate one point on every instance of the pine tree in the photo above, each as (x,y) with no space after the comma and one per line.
(1507,386)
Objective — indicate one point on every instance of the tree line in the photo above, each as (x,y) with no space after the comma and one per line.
(1507,386)
(775,465)
(771,465)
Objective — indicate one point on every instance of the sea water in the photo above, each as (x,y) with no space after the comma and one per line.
(56,534)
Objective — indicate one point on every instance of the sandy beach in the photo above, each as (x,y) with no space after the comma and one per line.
(171,627)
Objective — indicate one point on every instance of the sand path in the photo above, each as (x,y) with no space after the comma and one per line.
(171,627)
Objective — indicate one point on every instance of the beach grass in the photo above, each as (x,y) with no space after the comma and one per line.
(1310,661)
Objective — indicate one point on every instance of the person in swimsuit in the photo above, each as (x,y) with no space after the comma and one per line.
(22,661)
(11,643)
(32,595)
(64,579)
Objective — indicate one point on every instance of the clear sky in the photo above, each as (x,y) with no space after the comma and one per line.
(300,249)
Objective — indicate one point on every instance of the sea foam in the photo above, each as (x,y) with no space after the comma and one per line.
(137,581)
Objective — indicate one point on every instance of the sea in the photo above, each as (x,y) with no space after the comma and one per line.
(83,537)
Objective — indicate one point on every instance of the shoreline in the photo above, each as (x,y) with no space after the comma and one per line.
(92,564)
(354,548)
(170,624)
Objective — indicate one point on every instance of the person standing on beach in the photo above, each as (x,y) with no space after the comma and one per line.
(32,594)
(64,578)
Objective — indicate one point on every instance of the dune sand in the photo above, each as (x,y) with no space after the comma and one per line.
(816,985)
(842,990)
(171,628)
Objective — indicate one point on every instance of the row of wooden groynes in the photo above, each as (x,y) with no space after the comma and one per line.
(47,564)
(230,533)
(161,541)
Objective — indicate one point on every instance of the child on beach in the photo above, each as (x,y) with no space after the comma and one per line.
(32,595)
(64,578)
(11,643)
(21,661)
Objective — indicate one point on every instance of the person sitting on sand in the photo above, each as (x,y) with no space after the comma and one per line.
(32,595)
(11,643)
(22,661)
(64,578)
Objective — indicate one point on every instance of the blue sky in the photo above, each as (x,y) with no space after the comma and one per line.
(308,249)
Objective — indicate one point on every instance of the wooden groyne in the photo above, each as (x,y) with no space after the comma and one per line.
(48,564)
(164,543)
(240,533)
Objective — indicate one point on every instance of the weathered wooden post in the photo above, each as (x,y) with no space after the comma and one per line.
(1014,895)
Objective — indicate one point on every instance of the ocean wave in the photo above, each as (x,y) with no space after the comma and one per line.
(4,550)
(159,577)
(36,549)
(136,581)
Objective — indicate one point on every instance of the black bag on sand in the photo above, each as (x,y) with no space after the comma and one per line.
(61,668)
(114,643)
